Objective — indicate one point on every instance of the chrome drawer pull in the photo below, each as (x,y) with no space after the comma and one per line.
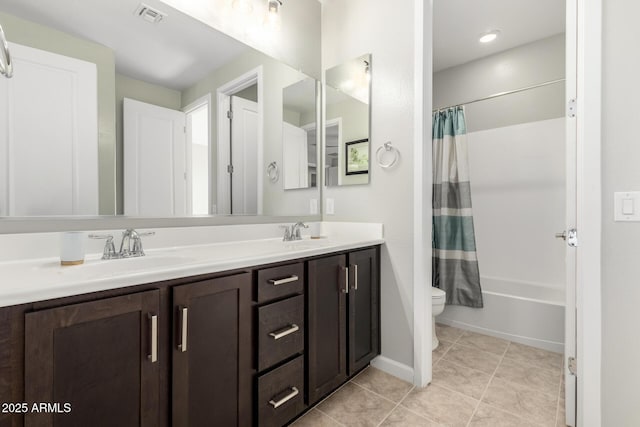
(288,397)
(284,332)
(153,357)
(277,282)
(184,313)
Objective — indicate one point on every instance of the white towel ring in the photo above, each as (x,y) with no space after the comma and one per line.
(386,148)
(273,172)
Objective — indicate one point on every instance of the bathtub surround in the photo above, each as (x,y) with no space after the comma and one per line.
(455,262)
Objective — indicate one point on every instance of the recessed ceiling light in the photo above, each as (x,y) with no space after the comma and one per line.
(489,36)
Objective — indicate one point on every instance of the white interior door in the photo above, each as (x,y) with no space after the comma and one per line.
(244,157)
(295,155)
(154,160)
(48,135)
(570,322)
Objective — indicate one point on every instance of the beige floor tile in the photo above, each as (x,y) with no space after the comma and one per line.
(448,333)
(529,375)
(535,356)
(528,403)
(443,347)
(384,384)
(484,342)
(402,417)
(472,358)
(352,405)
(315,418)
(460,378)
(488,416)
(441,405)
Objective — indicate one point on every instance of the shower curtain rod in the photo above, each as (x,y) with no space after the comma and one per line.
(499,94)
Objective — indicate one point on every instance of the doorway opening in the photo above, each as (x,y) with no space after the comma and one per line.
(240,145)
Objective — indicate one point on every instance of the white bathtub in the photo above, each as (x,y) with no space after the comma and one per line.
(527,313)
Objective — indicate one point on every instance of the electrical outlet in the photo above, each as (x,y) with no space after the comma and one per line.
(331,208)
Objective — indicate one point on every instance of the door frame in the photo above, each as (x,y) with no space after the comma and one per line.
(203,100)
(223,95)
(585,18)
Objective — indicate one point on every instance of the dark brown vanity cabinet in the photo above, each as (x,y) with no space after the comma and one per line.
(280,344)
(211,360)
(101,357)
(254,347)
(343,318)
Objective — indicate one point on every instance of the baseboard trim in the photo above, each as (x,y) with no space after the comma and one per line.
(556,347)
(394,368)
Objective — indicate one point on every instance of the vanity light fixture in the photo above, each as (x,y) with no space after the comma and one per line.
(272,19)
(367,71)
(245,7)
(489,36)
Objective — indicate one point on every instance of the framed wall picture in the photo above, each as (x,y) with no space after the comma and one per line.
(357,157)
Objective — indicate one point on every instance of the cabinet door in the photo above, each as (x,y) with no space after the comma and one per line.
(100,357)
(327,351)
(364,311)
(212,352)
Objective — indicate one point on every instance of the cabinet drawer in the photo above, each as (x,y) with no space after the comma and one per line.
(281,331)
(280,281)
(281,394)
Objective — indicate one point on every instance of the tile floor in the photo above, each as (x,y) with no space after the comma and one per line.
(478,380)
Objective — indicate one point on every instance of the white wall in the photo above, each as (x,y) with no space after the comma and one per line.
(351,28)
(518,193)
(516,68)
(620,241)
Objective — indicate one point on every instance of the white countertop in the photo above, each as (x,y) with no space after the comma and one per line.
(31,280)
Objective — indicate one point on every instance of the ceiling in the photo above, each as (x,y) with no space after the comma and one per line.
(300,96)
(175,53)
(459,23)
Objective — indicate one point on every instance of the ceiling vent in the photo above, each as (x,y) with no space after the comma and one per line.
(149,14)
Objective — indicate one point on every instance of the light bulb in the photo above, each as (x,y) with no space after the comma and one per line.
(272,19)
(243,6)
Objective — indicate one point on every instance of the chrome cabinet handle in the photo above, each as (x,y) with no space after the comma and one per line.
(288,397)
(284,332)
(346,280)
(153,357)
(355,277)
(277,282)
(184,313)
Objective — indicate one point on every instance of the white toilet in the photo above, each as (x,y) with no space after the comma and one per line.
(438,297)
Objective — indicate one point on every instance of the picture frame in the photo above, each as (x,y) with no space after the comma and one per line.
(357,157)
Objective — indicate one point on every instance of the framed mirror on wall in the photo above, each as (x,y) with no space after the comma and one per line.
(347,122)
(116,113)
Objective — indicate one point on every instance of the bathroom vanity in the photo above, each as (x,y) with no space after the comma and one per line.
(250,345)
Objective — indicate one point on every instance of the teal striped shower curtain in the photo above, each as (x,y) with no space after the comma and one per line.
(455,263)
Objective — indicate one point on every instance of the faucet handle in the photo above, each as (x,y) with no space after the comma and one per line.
(287,232)
(109,250)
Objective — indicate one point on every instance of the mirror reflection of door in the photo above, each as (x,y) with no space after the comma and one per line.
(166,160)
(244,156)
(198,155)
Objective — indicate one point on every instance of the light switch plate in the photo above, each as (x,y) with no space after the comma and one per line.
(313,206)
(626,205)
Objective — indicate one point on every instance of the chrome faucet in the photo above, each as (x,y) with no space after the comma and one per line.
(292,232)
(130,246)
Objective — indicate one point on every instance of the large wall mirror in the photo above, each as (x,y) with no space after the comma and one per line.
(119,108)
(347,125)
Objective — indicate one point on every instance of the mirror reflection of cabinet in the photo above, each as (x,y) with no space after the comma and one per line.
(347,125)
